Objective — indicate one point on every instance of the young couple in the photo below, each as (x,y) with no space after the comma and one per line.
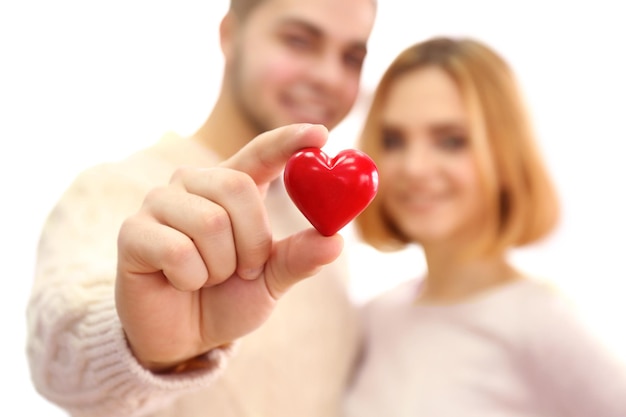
(173,282)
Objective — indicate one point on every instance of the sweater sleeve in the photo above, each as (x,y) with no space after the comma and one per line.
(573,371)
(78,355)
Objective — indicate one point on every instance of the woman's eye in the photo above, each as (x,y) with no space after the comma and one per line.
(453,142)
(392,141)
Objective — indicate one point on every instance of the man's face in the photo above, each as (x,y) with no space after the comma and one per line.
(295,61)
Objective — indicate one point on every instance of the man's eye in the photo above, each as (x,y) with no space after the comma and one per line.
(297,41)
(354,60)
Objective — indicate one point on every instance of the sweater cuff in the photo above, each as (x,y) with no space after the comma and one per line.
(117,371)
(80,358)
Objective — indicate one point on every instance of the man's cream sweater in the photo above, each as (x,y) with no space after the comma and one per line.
(297,364)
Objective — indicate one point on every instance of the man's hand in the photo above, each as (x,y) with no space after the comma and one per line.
(197,265)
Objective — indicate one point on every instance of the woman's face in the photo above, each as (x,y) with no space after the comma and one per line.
(429,180)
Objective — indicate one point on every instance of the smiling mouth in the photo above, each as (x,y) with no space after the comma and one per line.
(306,112)
(419,202)
(306,106)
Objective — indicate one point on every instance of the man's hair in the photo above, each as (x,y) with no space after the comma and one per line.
(242,8)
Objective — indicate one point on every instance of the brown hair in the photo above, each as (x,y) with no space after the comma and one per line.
(242,8)
(520,196)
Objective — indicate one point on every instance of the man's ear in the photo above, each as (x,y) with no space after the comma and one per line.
(228,30)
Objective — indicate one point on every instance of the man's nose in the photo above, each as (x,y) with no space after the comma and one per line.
(328,70)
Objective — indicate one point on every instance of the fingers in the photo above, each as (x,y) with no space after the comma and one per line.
(230,225)
(211,223)
(204,225)
(265,157)
(146,247)
(299,256)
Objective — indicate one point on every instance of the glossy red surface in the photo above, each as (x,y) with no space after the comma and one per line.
(331,192)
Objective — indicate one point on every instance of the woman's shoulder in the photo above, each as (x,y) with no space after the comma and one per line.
(541,295)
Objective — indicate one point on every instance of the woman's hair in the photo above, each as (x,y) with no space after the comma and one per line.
(522,205)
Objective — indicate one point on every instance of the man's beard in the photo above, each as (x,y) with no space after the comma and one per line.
(249,110)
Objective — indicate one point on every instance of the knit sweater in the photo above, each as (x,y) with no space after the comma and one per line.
(296,364)
(518,350)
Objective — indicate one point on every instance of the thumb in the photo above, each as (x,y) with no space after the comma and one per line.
(299,256)
(265,156)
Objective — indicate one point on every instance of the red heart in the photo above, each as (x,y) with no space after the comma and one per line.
(331,192)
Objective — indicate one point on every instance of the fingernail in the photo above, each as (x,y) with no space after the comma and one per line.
(303,127)
(250,274)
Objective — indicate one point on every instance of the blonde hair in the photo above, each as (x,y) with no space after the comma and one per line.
(522,205)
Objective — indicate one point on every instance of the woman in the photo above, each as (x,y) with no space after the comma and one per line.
(460,175)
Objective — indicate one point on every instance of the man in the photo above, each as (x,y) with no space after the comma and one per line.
(156,286)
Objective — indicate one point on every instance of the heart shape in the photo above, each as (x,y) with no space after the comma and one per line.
(331,192)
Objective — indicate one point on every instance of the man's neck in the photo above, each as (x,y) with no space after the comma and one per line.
(225,131)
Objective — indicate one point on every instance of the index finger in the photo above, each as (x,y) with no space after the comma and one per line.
(265,156)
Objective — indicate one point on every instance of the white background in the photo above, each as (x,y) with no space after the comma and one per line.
(82,82)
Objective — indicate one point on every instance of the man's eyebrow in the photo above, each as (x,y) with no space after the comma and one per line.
(316,31)
(300,24)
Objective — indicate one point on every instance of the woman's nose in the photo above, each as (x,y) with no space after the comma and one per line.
(419,160)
